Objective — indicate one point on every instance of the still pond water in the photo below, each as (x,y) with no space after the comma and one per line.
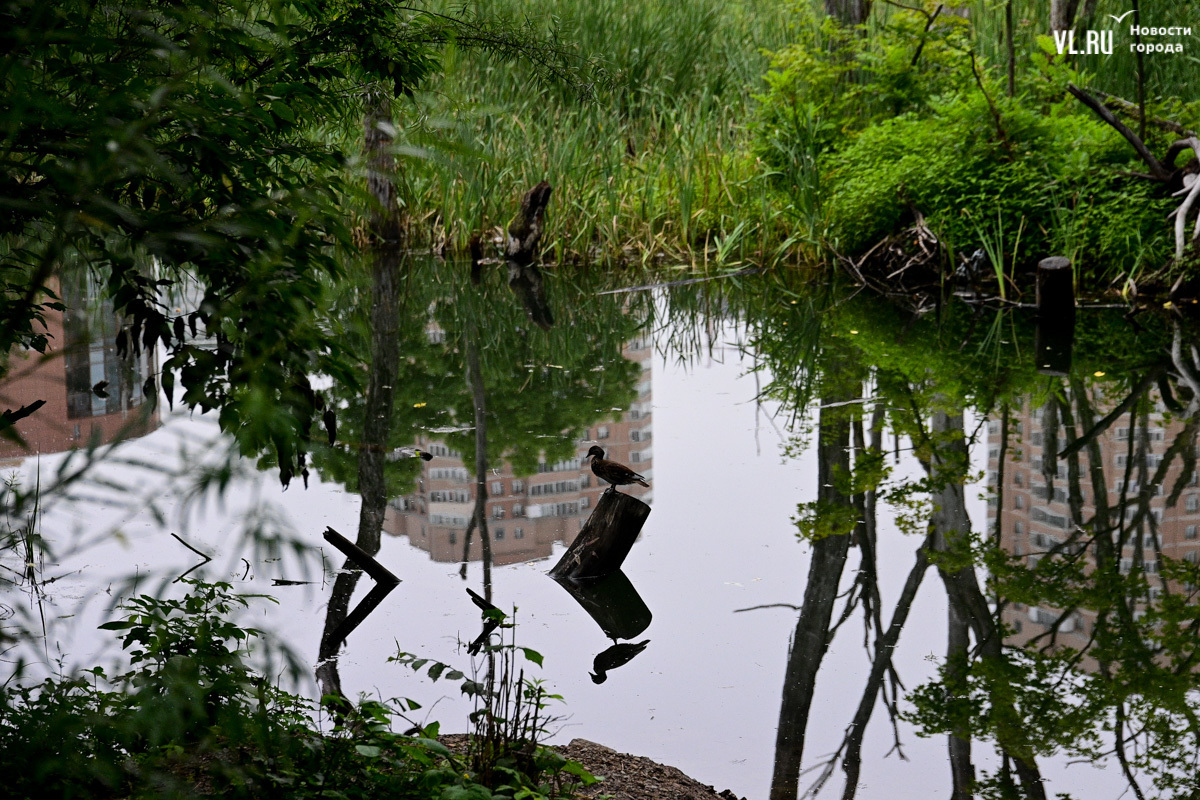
(720,400)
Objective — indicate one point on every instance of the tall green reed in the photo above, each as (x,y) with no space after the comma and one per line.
(652,167)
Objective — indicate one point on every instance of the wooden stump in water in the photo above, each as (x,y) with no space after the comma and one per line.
(613,603)
(1055,335)
(1055,290)
(606,538)
(520,253)
(524,232)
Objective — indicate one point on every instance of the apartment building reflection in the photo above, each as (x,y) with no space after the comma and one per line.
(1036,522)
(81,354)
(526,515)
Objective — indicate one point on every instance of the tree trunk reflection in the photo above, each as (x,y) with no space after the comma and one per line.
(811,637)
(386,256)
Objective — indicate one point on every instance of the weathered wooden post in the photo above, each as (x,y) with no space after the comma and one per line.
(520,250)
(1054,337)
(612,603)
(606,538)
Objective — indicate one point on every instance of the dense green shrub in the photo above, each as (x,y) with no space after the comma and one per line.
(854,79)
(193,718)
(865,129)
(1050,185)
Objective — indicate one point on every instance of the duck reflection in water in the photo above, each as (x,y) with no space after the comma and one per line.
(616,656)
(409,452)
(614,473)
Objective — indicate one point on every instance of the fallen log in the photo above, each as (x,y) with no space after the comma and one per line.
(606,538)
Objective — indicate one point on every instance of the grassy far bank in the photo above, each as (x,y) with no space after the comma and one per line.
(686,153)
(654,164)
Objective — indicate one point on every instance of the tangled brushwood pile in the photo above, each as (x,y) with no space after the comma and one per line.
(906,264)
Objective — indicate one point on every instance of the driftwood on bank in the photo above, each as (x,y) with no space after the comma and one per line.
(905,266)
(606,538)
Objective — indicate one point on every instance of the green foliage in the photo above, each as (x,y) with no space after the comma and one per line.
(509,720)
(193,718)
(210,148)
(189,673)
(160,144)
(819,519)
(651,165)
(864,129)
(853,80)
(1027,696)
(951,166)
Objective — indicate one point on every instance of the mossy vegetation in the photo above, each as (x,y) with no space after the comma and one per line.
(904,119)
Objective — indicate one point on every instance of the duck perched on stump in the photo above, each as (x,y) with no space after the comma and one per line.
(616,474)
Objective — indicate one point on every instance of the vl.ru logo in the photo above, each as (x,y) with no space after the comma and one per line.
(1101,42)
(1094,42)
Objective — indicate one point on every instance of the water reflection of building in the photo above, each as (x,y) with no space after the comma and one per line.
(1036,521)
(81,354)
(526,515)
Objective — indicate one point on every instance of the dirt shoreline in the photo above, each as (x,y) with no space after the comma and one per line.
(626,776)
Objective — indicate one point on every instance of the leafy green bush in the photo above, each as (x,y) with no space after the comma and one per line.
(856,79)
(192,718)
(865,128)
(1049,185)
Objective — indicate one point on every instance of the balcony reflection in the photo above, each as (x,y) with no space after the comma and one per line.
(91,394)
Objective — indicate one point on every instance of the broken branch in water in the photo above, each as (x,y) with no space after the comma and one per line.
(767,605)
(207,558)
(385,582)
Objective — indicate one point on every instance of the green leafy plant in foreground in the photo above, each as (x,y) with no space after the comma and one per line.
(193,717)
(509,720)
